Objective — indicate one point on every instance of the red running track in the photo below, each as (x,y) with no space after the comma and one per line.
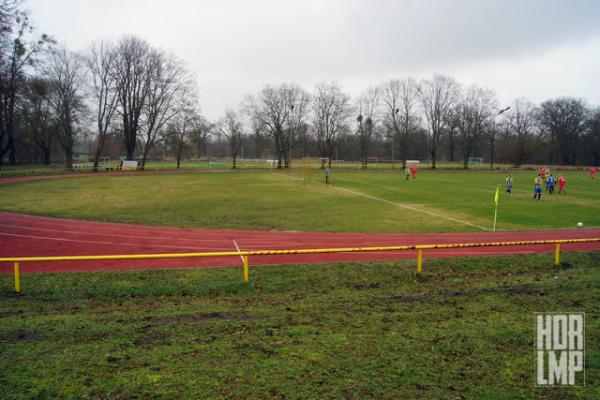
(25,235)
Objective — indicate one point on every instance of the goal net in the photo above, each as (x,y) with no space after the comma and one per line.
(475,162)
(312,164)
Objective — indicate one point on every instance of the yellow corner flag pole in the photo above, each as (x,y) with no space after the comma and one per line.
(496,207)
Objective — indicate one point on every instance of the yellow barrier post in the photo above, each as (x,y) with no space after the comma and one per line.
(557,255)
(419,261)
(246,278)
(17,274)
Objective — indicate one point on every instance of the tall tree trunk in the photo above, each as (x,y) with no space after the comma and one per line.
(144,157)
(12,155)
(46,153)
(179,151)
(68,156)
(99,150)
(492,151)
(257,152)
(403,150)
(96,161)
(130,153)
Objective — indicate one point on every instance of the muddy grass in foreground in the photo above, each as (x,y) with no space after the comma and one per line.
(462,330)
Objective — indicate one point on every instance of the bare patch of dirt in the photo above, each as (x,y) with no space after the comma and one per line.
(255,347)
(20,335)
(512,289)
(366,286)
(196,318)
(151,338)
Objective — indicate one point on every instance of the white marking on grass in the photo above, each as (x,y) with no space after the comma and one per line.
(238,249)
(412,208)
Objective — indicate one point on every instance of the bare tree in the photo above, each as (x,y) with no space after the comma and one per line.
(132,72)
(202,129)
(331,109)
(16,55)
(232,128)
(257,132)
(437,96)
(367,107)
(100,61)
(167,80)
(475,113)
(452,124)
(184,122)
(592,136)
(35,116)
(522,124)
(563,122)
(400,99)
(67,76)
(281,110)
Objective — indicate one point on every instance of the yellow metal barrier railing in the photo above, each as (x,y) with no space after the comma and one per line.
(246,254)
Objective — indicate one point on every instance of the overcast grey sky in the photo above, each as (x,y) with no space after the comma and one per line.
(520,48)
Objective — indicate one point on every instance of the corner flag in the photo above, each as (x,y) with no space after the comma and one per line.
(496,207)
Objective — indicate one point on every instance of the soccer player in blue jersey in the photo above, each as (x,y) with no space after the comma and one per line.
(537,187)
(509,184)
(551,182)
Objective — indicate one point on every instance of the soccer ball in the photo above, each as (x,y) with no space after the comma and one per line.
(580,225)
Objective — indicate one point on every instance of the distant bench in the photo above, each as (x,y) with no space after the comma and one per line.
(87,165)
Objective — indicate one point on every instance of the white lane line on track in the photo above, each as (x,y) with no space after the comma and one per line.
(91,233)
(114,243)
(262,243)
(259,243)
(226,236)
(225,239)
(238,249)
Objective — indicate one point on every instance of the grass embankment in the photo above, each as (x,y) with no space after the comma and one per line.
(355,202)
(462,330)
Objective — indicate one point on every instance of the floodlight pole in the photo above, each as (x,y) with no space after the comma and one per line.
(396,111)
(494,136)
(393,147)
(290,141)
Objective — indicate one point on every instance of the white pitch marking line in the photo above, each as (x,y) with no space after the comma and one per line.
(238,249)
(407,207)
(411,208)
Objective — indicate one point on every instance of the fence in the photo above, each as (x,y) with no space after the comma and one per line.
(246,254)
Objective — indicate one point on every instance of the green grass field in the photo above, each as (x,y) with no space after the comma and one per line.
(442,201)
(463,330)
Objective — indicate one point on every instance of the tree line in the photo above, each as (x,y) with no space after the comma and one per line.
(126,97)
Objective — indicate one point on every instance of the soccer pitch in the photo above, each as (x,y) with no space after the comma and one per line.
(382,201)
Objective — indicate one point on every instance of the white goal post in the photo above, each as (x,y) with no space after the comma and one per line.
(475,161)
